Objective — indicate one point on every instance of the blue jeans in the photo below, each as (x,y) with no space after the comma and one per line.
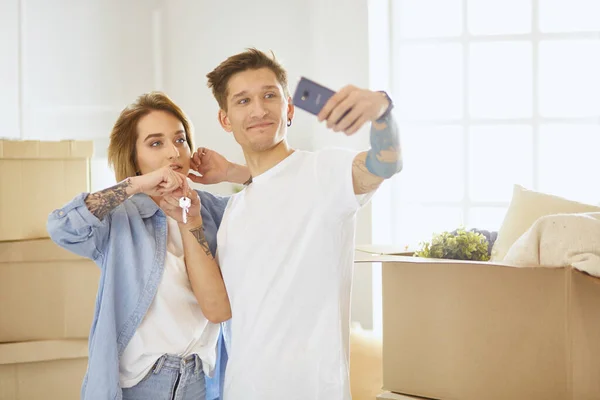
(171,378)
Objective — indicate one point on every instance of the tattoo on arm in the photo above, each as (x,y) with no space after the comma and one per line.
(362,186)
(384,159)
(201,238)
(102,202)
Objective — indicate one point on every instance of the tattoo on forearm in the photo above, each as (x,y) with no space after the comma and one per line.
(102,202)
(201,238)
(362,186)
(384,159)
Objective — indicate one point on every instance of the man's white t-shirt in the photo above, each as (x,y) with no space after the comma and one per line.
(174,323)
(286,249)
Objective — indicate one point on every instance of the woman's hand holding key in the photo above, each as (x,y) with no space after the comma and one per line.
(172,206)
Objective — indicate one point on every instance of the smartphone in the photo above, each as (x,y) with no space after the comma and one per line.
(311,97)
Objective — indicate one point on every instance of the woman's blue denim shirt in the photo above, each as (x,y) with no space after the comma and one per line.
(129,246)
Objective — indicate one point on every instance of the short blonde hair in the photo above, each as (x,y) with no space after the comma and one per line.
(122,155)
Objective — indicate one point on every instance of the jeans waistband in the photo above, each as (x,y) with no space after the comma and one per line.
(178,363)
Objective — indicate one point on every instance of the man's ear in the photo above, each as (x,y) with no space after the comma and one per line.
(290,109)
(224,121)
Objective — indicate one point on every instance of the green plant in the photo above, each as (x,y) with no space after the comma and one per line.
(457,245)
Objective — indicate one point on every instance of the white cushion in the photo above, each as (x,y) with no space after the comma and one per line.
(525,208)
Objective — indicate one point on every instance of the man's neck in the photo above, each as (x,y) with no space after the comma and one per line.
(260,162)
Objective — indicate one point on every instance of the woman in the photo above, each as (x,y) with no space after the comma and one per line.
(158,307)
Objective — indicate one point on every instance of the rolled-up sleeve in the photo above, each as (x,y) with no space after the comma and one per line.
(75,228)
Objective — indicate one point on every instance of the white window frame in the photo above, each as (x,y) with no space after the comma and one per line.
(381,45)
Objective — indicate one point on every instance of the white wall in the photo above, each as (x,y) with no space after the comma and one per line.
(9,69)
(68,67)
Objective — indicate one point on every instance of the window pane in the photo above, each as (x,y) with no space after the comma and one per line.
(569,162)
(382,210)
(500,77)
(500,156)
(569,15)
(418,223)
(494,17)
(569,78)
(433,163)
(427,18)
(428,81)
(487,218)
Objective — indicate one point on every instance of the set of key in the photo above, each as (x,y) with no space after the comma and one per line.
(185,203)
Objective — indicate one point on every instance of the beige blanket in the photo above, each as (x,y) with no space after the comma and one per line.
(560,240)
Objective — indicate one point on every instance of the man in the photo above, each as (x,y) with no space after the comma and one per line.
(286,242)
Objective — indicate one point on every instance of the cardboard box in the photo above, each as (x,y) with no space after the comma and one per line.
(47,370)
(472,331)
(36,178)
(46,292)
(396,396)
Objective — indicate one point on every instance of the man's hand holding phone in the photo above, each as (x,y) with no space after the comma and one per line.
(359,105)
(345,111)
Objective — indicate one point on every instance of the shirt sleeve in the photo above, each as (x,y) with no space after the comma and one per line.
(76,229)
(333,170)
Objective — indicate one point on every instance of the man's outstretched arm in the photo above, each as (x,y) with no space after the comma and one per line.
(382,161)
(347,111)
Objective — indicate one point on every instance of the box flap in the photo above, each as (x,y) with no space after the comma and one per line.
(34,251)
(385,249)
(362,257)
(24,352)
(396,396)
(35,149)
